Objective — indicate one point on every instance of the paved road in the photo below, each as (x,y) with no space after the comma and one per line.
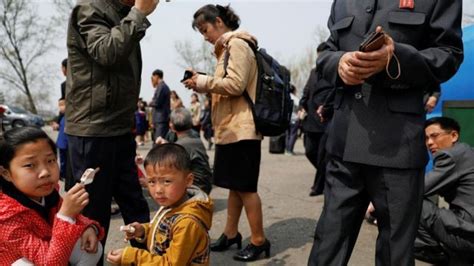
(290,215)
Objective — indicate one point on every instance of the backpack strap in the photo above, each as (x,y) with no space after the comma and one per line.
(246,94)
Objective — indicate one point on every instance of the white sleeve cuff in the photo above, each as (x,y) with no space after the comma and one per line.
(201,82)
(66,218)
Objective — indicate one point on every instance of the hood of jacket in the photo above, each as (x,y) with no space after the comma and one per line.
(224,40)
(199,205)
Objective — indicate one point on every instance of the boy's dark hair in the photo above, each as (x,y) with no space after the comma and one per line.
(158,72)
(169,155)
(15,137)
(64,63)
(209,13)
(445,123)
(181,119)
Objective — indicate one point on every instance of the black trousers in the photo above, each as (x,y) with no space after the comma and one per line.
(160,130)
(314,150)
(349,187)
(117,177)
(442,227)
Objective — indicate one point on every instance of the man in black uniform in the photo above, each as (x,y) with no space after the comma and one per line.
(376,136)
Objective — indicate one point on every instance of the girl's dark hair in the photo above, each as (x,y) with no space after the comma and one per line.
(169,155)
(15,137)
(209,13)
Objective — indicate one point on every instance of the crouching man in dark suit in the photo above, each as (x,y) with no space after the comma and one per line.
(447,235)
(376,136)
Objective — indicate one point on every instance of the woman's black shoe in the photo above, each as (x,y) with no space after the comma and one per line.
(252,252)
(223,243)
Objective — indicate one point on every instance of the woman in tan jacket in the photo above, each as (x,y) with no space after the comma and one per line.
(238,144)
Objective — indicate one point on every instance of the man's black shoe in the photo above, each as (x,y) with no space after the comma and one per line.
(434,255)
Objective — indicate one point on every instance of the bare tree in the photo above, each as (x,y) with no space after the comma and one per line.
(301,66)
(199,58)
(25,39)
(63,8)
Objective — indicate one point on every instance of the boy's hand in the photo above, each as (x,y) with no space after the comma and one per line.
(74,201)
(146,6)
(138,232)
(160,141)
(115,256)
(89,241)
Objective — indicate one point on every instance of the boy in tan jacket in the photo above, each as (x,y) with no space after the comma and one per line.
(178,234)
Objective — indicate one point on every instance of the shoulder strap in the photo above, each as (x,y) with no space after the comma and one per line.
(226,62)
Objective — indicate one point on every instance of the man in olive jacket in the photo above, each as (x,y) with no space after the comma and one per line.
(103,84)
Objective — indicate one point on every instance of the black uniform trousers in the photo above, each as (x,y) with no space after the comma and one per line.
(440,227)
(314,143)
(117,177)
(349,187)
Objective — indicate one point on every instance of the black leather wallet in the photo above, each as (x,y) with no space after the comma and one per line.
(373,42)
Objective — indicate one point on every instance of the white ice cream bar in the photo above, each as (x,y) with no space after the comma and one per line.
(127,228)
(88,176)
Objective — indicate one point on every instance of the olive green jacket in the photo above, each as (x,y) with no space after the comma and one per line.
(104,68)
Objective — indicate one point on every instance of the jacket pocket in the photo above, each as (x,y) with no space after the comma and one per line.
(342,23)
(101,94)
(407,27)
(403,102)
(406,18)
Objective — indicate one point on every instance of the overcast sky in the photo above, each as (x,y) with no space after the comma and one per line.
(285,28)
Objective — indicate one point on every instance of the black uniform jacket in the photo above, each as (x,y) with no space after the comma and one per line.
(452,178)
(381,122)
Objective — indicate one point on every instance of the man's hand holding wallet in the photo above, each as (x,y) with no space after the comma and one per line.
(373,55)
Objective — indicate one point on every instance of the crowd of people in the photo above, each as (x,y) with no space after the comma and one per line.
(362,113)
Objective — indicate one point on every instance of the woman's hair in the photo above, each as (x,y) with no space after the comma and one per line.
(169,155)
(14,138)
(209,13)
(175,94)
(196,96)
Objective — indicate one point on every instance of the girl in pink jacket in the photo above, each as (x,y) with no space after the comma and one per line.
(36,225)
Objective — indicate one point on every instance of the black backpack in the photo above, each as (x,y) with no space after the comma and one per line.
(273,105)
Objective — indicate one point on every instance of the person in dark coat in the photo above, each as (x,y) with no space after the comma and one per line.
(376,136)
(315,93)
(161,105)
(447,235)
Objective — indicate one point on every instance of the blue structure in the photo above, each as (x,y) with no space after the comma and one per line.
(461,86)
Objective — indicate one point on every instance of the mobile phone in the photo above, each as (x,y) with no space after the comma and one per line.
(187,75)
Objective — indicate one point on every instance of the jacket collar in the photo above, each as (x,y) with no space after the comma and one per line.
(223,41)
(51,200)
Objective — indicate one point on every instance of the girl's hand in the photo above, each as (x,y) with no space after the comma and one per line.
(115,256)
(74,201)
(89,241)
(138,233)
